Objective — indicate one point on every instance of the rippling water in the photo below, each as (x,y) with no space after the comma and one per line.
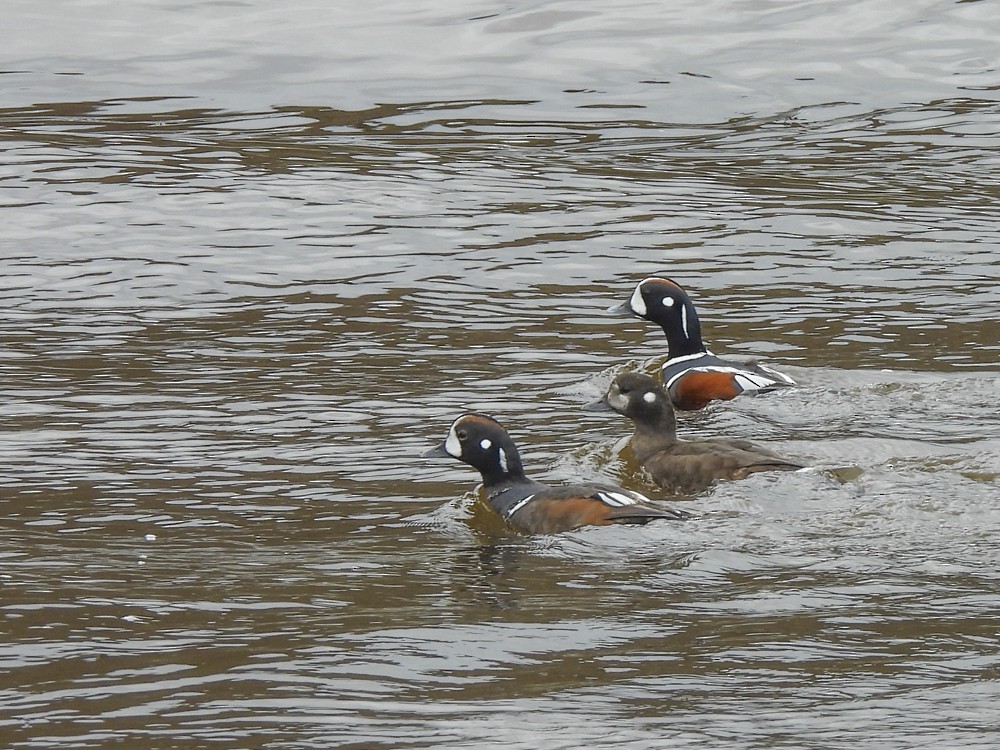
(256,258)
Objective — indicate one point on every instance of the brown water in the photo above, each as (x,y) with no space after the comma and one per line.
(257,256)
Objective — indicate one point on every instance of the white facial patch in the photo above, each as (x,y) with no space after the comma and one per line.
(636,302)
(452,445)
(668,301)
(485,444)
(616,400)
(649,397)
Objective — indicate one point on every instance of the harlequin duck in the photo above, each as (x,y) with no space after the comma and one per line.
(530,506)
(684,466)
(693,375)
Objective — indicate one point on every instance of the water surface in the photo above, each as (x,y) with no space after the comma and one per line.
(255,260)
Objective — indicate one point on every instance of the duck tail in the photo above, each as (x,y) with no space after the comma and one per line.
(643,514)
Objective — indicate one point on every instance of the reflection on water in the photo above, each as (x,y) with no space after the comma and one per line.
(236,311)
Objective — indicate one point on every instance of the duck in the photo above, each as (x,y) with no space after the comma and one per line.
(693,376)
(532,507)
(681,466)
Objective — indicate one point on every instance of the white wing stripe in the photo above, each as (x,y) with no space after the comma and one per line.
(779,375)
(747,380)
(616,499)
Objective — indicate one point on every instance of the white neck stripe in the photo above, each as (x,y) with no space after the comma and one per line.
(517,506)
(688,357)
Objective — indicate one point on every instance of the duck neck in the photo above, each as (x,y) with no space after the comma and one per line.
(655,433)
(683,331)
(503,472)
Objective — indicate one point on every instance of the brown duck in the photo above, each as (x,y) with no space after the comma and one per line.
(692,375)
(533,507)
(682,466)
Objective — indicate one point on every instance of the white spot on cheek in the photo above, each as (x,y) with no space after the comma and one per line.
(636,302)
(452,445)
(649,397)
(668,301)
(485,444)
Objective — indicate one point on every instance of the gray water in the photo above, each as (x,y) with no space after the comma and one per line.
(257,257)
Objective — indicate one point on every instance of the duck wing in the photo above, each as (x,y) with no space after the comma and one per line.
(693,466)
(558,509)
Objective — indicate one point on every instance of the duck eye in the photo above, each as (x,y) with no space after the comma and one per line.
(462,434)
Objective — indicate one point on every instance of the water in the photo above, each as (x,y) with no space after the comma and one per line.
(256,259)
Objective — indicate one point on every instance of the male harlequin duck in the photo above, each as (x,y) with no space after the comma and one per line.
(530,506)
(693,375)
(685,466)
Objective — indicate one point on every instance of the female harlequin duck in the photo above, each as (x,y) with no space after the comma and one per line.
(684,466)
(693,375)
(530,506)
